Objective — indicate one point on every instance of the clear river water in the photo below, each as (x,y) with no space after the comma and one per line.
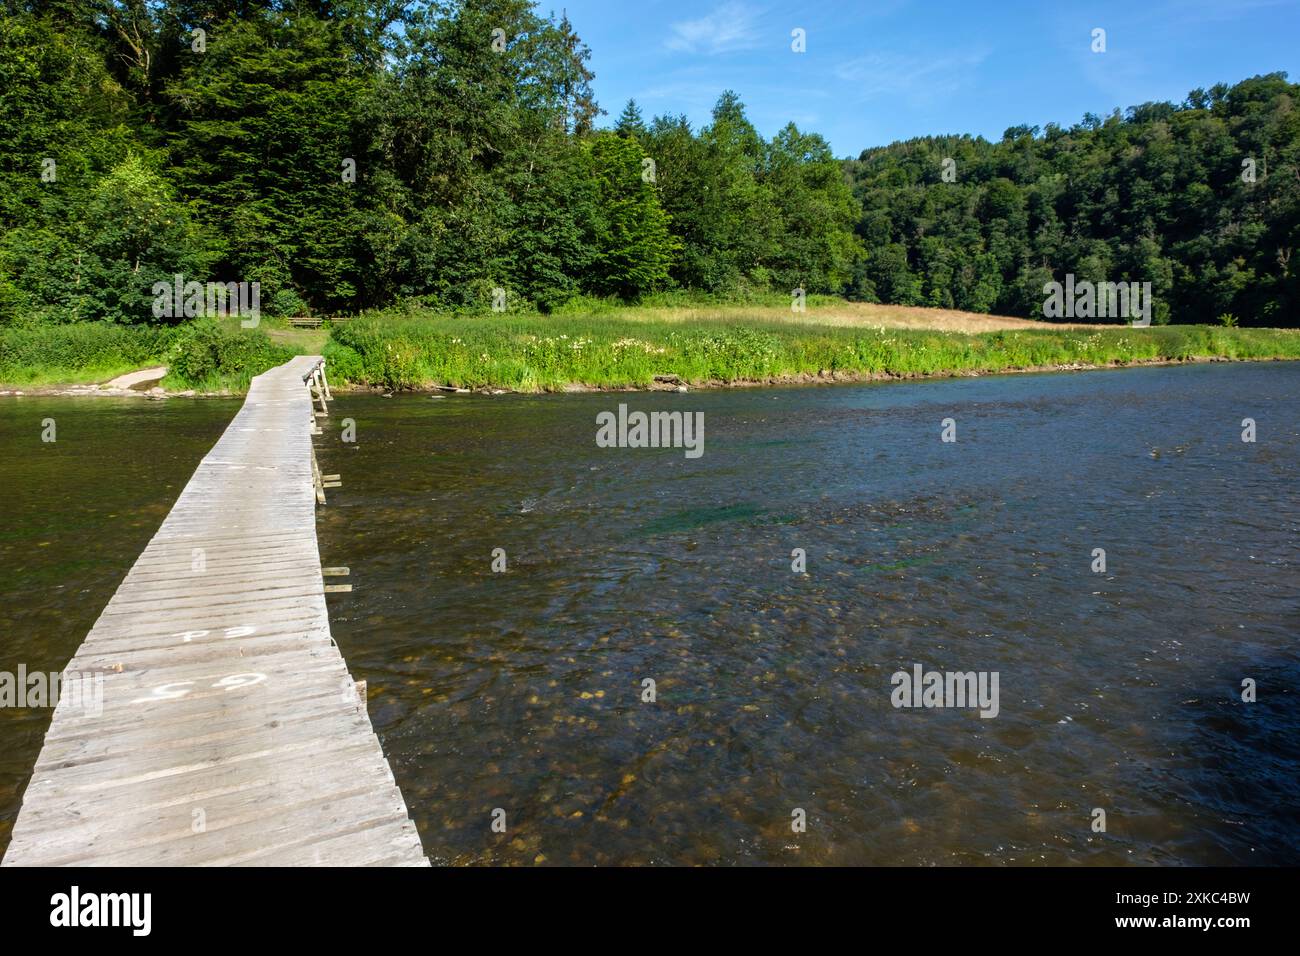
(525,689)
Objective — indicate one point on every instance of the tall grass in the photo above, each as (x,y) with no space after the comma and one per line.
(545,353)
(78,352)
(202,354)
(614,349)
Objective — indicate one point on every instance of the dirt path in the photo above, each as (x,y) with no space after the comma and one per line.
(136,379)
(142,383)
(916,317)
(854,315)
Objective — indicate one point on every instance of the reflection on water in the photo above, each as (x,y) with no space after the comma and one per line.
(523,690)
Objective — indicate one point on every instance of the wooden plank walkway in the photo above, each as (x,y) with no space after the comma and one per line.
(230,731)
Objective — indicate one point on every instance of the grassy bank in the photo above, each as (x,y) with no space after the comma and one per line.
(613,346)
(629,348)
(203,355)
(50,355)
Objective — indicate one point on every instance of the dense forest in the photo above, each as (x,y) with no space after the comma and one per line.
(348,155)
(1201,199)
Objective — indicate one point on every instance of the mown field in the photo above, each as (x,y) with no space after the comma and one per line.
(610,346)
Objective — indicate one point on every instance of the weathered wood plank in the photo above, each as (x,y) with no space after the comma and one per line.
(225,728)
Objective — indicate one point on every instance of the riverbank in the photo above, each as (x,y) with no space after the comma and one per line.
(614,349)
(671,383)
(668,383)
(639,349)
(202,356)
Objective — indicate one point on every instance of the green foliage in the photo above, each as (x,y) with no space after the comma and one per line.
(480,179)
(133,233)
(345,363)
(286,303)
(710,186)
(209,355)
(76,352)
(202,354)
(69,207)
(630,123)
(814,248)
(266,118)
(629,231)
(1161,195)
(351,156)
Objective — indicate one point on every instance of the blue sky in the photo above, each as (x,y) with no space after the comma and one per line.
(880,70)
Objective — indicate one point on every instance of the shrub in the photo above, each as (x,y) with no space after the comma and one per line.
(286,303)
(209,355)
(344,362)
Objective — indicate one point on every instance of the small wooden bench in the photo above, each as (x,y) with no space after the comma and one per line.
(314,321)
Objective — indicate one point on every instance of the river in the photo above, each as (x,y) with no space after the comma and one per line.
(525,689)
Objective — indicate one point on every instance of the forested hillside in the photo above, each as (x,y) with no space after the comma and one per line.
(1202,200)
(350,155)
(346,155)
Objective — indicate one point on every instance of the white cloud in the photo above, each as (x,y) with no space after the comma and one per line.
(912,77)
(728,28)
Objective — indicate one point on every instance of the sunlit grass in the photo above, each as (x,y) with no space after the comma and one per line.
(630,347)
(204,355)
(613,346)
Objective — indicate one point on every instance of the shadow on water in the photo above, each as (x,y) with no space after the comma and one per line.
(1234,767)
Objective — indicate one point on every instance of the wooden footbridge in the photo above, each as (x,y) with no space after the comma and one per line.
(227,728)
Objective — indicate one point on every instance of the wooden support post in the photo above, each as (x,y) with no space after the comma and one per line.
(320,393)
(315,478)
(326,382)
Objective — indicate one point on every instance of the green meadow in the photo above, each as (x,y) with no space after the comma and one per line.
(553,353)
(621,348)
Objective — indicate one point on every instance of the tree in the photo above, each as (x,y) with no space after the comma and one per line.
(1201,199)
(269,120)
(814,248)
(630,122)
(629,231)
